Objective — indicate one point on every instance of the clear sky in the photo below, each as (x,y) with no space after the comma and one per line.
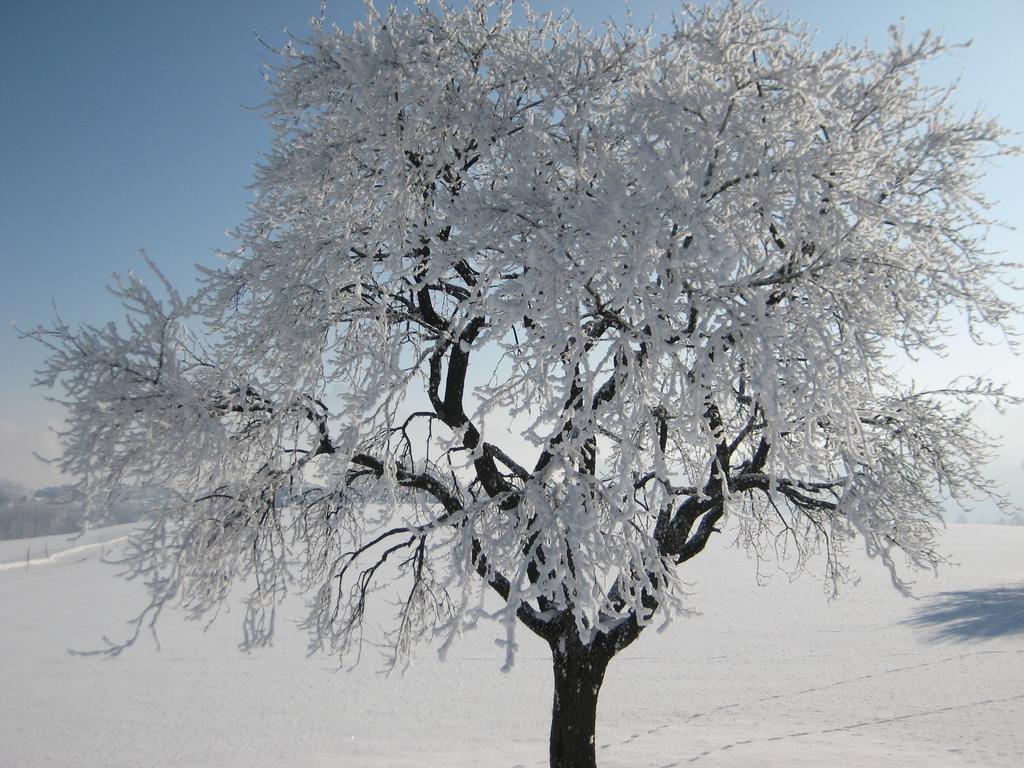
(134,124)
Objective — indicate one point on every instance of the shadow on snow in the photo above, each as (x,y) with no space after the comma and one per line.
(972,614)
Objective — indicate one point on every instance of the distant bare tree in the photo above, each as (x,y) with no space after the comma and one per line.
(11,491)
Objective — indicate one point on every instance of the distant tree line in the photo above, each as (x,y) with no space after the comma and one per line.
(61,509)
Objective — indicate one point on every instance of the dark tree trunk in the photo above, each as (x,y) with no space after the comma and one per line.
(579,671)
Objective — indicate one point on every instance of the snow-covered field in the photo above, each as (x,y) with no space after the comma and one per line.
(764,676)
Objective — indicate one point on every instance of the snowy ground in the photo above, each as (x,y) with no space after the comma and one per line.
(765,676)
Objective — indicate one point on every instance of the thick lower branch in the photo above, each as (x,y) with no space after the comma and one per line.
(453,508)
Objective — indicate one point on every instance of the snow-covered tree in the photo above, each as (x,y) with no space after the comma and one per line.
(677,269)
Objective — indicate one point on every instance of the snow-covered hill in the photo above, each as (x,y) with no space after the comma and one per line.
(763,676)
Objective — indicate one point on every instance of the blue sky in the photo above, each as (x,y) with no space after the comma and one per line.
(134,124)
